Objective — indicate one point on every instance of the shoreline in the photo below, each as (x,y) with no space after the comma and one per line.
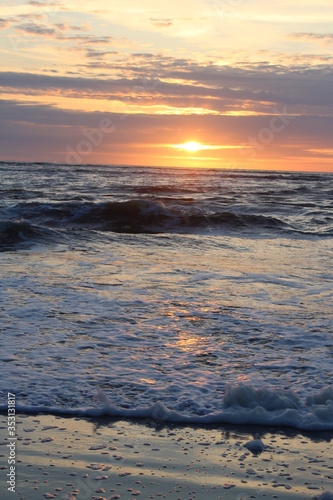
(96,458)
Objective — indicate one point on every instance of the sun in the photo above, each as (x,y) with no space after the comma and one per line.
(194,146)
(191,146)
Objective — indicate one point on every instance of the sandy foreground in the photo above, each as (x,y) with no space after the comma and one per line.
(67,458)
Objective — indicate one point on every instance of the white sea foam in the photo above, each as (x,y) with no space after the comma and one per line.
(254,407)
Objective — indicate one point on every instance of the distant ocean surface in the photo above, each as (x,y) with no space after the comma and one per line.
(183,295)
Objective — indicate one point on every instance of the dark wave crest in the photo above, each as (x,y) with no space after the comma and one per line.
(22,232)
(42,221)
(143,216)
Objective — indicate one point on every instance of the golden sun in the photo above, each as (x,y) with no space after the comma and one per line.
(191,146)
(194,147)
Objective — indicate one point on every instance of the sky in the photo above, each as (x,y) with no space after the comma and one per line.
(198,83)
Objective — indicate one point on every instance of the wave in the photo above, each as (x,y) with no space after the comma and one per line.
(169,215)
(173,190)
(242,405)
(13,233)
(148,216)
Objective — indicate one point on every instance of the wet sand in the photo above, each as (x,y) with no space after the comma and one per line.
(69,458)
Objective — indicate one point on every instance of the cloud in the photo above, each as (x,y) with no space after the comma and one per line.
(162,23)
(166,22)
(59,32)
(36,29)
(210,88)
(98,54)
(326,38)
(4,23)
(43,5)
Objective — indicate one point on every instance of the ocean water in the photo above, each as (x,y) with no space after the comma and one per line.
(184,295)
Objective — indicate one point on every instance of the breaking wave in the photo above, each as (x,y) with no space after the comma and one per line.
(242,405)
(146,216)
(22,233)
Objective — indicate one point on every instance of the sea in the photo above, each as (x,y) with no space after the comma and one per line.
(195,296)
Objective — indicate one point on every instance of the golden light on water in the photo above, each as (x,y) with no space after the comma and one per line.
(148,381)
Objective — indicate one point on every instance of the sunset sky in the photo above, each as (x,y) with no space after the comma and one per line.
(207,83)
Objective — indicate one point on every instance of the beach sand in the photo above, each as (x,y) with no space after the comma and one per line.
(67,458)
